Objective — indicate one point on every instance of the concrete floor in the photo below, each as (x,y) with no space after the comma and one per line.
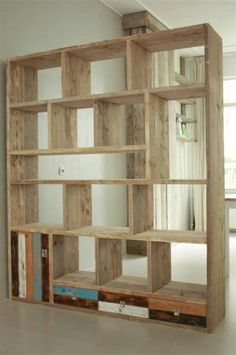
(27,329)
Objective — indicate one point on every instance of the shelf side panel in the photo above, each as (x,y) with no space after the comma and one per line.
(215,175)
(65,255)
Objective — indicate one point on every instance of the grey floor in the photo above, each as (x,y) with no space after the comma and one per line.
(37,330)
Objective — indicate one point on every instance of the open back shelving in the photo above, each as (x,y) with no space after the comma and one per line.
(44,259)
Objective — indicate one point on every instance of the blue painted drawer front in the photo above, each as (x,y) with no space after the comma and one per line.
(76,292)
(63,290)
(86,294)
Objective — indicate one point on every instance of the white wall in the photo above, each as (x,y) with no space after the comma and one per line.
(3,233)
(31,26)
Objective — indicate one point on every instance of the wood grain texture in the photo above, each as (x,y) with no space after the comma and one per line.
(157,137)
(215,175)
(37,267)
(132,300)
(107,124)
(140,208)
(62,127)
(165,316)
(45,268)
(76,302)
(123,309)
(14,264)
(159,265)
(108,260)
(76,79)
(187,307)
(29,266)
(65,255)
(77,206)
(22,265)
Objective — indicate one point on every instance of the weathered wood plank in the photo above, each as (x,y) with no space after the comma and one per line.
(75,302)
(134,311)
(29,266)
(22,265)
(183,307)
(65,255)
(37,267)
(45,267)
(14,264)
(132,300)
(165,316)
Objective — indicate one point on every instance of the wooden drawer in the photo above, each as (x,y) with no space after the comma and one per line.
(132,300)
(75,302)
(178,306)
(177,311)
(122,308)
(81,293)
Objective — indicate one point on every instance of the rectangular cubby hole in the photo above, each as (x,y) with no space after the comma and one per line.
(115,269)
(29,129)
(49,84)
(51,205)
(74,259)
(109,205)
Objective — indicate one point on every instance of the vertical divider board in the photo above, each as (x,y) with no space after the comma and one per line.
(159,265)
(139,76)
(215,186)
(62,127)
(22,133)
(108,260)
(76,77)
(77,206)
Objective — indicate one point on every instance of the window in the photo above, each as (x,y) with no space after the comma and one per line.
(230,133)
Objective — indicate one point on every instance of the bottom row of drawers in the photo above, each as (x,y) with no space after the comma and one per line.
(134,306)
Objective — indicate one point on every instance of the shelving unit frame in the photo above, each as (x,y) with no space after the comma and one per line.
(160,298)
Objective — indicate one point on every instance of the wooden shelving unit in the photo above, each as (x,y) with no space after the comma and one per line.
(44,259)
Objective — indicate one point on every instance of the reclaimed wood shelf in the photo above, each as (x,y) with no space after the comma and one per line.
(44,258)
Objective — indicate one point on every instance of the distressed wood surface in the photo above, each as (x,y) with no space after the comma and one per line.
(108,260)
(165,316)
(29,266)
(123,309)
(37,267)
(45,268)
(215,175)
(14,264)
(76,302)
(22,265)
(65,255)
(132,300)
(184,307)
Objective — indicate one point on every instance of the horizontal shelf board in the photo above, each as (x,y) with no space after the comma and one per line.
(184,37)
(81,277)
(126,97)
(38,227)
(113,182)
(31,106)
(168,236)
(181,79)
(128,283)
(183,291)
(173,236)
(82,150)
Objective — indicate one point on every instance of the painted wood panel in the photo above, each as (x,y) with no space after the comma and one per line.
(76,302)
(165,316)
(14,264)
(45,267)
(128,310)
(132,300)
(184,307)
(81,293)
(22,265)
(37,267)
(29,266)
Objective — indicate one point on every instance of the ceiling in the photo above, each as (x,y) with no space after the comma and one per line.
(221,14)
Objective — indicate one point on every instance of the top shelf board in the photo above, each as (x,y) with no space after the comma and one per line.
(183,37)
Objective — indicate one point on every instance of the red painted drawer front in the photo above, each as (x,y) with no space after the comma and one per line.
(132,300)
(182,318)
(76,302)
(183,307)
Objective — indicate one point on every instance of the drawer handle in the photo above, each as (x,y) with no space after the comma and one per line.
(176,312)
(122,305)
(74,298)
